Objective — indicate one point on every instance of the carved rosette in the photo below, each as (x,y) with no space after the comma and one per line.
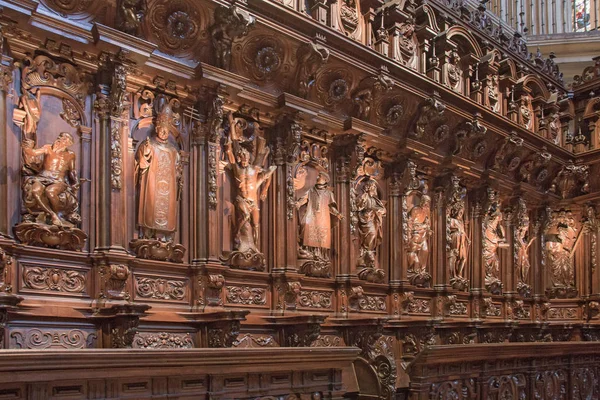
(264,57)
(176,26)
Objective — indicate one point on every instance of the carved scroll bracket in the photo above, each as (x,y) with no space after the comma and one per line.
(297,331)
(217,329)
(119,323)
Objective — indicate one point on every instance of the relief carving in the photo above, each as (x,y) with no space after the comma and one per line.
(453,71)
(129,16)
(310,58)
(561,238)
(160,288)
(163,340)
(359,301)
(113,282)
(416,215)
(328,341)
(571,181)
(364,95)
(230,24)
(54,279)
(52,339)
(247,154)
(494,238)
(158,176)
(248,340)
(246,295)
(523,239)
(429,116)
(315,299)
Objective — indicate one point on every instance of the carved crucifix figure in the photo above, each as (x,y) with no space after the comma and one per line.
(251,183)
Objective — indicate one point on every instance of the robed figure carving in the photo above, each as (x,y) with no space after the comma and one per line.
(158,174)
(50,186)
(250,183)
(560,242)
(494,238)
(371,211)
(416,214)
(316,207)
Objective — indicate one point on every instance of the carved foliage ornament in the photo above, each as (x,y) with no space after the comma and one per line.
(163,340)
(246,295)
(160,288)
(54,279)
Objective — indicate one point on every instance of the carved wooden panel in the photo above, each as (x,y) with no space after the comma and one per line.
(54,280)
(152,288)
(246,295)
(315,299)
(52,338)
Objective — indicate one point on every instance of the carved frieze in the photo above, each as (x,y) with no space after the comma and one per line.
(54,279)
(162,340)
(51,338)
(248,340)
(160,288)
(328,341)
(562,313)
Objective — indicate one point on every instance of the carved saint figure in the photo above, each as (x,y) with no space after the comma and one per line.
(131,13)
(248,179)
(230,23)
(458,244)
(158,173)
(315,222)
(523,241)
(560,247)
(371,211)
(419,229)
(494,238)
(525,111)
(51,182)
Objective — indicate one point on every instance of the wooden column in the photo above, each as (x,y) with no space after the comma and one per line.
(6,144)
(438,254)
(345,240)
(397,264)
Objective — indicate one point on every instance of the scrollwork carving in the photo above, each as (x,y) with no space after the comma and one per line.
(39,339)
(315,299)
(160,288)
(163,340)
(54,279)
(246,295)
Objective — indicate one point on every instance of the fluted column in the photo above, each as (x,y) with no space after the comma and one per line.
(397,264)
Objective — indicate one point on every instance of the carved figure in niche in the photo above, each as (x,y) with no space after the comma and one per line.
(493,94)
(554,128)
(406,42)
(494,238)
(416,210)
(230,23)
(316,207)
(526,111)
(349,15)
(158,174)
(130,16)
(453,70)
(523,240)
(371,211)
(561,239)
(457,242)
(50,185)
(249,178)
